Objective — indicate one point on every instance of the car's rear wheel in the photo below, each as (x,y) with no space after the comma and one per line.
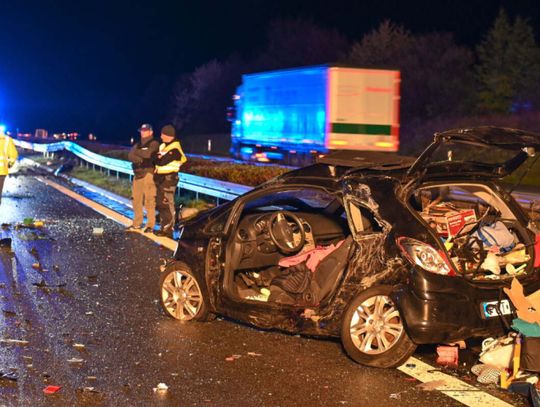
(372,330)
(181,296)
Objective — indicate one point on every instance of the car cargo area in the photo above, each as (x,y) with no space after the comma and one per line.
(484,240)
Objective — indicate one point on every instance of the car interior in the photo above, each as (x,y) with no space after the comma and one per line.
(482,236)
(290,247)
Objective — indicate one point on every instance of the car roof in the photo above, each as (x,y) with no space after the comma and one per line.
(330,168)
(367,160)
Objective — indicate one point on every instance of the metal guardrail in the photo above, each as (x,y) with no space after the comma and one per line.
(195,183)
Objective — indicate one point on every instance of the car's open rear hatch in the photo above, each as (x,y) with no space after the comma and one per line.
(489,152)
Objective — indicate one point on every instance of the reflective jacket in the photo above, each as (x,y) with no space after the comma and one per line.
(170,167)
(8,154)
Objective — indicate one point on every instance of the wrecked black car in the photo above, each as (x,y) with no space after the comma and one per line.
(380,251)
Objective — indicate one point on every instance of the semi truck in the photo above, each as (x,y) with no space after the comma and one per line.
(294,115)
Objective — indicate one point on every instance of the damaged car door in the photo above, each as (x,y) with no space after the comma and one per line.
(373,330)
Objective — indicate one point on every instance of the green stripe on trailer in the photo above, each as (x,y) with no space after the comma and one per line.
(357,128)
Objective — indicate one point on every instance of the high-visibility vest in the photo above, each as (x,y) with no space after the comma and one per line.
(173,166)
(8,154)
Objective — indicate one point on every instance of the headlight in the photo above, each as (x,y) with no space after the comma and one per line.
(423,255)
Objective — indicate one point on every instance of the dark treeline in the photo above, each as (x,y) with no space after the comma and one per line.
(444,84)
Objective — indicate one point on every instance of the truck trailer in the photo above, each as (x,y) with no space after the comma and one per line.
(295,115)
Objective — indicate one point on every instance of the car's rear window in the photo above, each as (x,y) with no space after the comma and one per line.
(476,153)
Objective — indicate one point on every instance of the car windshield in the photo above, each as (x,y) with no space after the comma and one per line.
(292,200)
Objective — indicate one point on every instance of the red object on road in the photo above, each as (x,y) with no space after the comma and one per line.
(51,389)
(447,355)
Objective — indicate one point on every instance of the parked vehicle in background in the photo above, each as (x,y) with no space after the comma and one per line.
(294,115)
(381,252)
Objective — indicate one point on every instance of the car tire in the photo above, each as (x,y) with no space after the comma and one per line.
(181,294)
(372,331)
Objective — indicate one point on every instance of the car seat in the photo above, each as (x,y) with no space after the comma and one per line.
(330,269)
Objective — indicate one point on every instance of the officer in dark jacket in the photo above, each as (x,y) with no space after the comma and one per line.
(142,156)
(169,159)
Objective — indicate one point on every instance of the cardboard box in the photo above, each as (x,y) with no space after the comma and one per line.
(456,221)
(451,223)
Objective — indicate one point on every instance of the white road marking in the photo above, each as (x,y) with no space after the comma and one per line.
(109,213)
(458,390)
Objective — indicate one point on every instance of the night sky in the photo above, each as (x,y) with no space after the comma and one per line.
(83,66)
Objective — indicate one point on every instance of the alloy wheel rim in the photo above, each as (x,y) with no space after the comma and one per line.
(376,325)
(181,295)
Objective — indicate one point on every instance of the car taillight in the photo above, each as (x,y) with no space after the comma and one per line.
(425,256)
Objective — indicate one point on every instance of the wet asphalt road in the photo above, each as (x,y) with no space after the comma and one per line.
(101,291)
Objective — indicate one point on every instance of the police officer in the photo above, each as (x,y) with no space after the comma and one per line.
(141,156)
(169,159)
(8,156)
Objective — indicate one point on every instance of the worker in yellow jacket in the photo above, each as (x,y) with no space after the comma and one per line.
(8,156)
(168,161)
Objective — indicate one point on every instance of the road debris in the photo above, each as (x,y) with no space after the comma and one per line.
(11,376)
(30,223)
(43,284)
(51,389)
(432,385)
(447,356)
(87,389)
(486,374)
(161,387)
(97,231)
(79,346)
(75,360)
(232,358)
(14,341)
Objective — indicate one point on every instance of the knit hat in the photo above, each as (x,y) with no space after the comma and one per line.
(168,130)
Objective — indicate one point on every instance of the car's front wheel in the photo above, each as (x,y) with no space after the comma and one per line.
(372,330)
(181,296)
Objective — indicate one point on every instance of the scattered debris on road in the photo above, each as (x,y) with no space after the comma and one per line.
(447,356)
(10,376)
(432,385)
(162,387)
(14,341)
(51,389)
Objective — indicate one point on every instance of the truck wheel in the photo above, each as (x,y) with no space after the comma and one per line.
(372,330)
(181,296)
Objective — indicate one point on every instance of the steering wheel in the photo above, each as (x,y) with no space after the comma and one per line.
(286,231)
